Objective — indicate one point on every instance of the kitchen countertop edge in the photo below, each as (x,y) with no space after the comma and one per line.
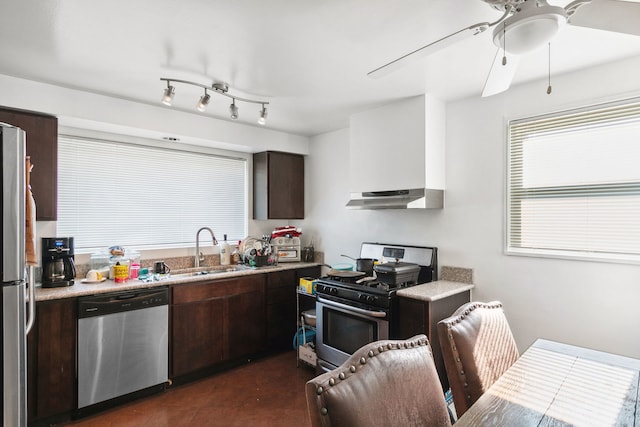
(82,289)
(434,291)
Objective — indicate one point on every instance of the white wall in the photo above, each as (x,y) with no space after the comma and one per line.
(592,304)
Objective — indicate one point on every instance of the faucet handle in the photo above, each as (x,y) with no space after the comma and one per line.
(201,257)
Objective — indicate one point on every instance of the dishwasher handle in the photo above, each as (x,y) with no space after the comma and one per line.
(100,305)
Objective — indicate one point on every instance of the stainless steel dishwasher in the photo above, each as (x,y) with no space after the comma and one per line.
(122,343)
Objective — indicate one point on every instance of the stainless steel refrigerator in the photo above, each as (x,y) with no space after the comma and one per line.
(14,279)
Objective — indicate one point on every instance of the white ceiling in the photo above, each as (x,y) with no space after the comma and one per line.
(308,58)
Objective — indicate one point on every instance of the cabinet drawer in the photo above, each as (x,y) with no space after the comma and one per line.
(217,289)
(281,279)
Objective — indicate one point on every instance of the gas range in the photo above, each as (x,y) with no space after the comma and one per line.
(353,311)
(371,292)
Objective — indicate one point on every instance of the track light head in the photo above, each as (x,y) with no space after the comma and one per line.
(263,115)
(204,101)
(169,92)
(233,110)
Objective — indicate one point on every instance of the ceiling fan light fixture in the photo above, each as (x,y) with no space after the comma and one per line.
(530,28)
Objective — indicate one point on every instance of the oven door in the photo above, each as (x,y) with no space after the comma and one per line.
(341,329)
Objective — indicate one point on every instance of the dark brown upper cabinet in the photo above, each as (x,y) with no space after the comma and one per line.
(42,146)
(278,185)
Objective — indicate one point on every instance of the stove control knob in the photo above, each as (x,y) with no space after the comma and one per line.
(333,291)
(371,298)
(362,297)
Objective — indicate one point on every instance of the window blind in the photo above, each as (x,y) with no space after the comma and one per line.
(113,193)
(574,183)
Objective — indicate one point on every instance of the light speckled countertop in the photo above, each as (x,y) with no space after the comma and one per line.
(434,291)
(80,289)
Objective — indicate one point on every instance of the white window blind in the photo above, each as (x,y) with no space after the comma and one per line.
(113,193)
(574,184)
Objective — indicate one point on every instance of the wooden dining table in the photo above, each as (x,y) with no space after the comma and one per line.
(555,384)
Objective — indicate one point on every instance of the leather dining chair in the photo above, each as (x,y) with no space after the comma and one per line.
(384,383)
(477,347)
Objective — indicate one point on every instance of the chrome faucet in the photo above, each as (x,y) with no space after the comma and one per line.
(199,255)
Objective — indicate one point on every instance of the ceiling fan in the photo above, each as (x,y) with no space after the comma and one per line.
(525,26)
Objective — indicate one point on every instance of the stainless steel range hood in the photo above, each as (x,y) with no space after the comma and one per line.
(416,198)
(397,155)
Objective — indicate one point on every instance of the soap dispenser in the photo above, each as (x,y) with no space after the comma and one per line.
(225,252)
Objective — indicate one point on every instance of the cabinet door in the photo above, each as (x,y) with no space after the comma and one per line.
(196,335)
(281,309)
(42,146)
(244,314)
(278,190)
(51,355)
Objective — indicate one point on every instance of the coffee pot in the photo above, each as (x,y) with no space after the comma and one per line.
(58,266)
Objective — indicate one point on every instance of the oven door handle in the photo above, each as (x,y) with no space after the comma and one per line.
(352,308)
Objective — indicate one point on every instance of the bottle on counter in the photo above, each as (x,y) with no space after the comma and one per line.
(235,254)
(225,252)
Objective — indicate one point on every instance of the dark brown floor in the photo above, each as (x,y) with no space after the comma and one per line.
(267,392)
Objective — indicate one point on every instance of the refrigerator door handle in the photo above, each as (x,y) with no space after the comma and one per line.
(31,284)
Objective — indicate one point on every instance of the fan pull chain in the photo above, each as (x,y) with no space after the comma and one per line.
(549,72)
(504,44)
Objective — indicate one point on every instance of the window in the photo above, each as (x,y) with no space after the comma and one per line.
(114,193)
(574,184)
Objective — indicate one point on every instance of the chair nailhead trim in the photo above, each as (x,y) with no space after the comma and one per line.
(450,323)
(324,411)
(363,360)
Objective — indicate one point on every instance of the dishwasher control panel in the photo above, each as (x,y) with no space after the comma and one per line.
(117,302)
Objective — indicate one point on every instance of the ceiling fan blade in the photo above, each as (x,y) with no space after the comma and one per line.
(500,76)
(428,49)
(609,15)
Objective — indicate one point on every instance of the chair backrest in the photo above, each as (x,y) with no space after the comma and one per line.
(477,347)
(384,383)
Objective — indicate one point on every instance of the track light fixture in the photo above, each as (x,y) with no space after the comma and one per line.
(233,110)
(263,115)
(204,101)
(167,97)
(219,88)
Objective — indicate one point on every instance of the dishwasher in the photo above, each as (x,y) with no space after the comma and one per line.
(122,344)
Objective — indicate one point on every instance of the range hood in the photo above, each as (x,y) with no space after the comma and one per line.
(397,155)
(417,198)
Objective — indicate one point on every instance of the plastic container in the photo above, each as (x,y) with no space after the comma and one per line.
(134,262)
(99,260)
(118,261)
(225,252)
(120,272)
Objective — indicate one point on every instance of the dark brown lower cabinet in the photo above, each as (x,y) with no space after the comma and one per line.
(216,321)
(421,317)
(281,309)
(281,306)
(51,360)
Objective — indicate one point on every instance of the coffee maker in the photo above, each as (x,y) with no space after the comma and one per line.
(58,267)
